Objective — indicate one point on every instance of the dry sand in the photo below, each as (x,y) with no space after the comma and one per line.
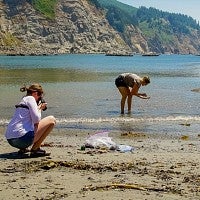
(158,168)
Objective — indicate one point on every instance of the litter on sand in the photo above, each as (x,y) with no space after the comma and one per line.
(102,140)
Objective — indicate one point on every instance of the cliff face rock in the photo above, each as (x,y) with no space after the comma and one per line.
(181,44)
(77,28)
(134,38)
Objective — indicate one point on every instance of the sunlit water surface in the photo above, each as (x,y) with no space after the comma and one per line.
(81,93)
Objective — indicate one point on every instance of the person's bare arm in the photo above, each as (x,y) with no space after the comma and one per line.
(135,92)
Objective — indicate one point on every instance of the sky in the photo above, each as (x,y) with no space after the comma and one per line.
(186,7)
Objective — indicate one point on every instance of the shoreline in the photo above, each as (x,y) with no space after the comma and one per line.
(158,168)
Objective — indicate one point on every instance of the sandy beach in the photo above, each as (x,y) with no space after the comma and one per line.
(157,168)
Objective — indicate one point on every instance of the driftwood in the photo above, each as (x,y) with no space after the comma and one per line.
(123,186)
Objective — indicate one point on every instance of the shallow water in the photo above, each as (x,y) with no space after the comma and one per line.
(81,94)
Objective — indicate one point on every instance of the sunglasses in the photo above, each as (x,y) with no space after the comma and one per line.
(39,94)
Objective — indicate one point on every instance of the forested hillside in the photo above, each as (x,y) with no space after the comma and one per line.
(161,29)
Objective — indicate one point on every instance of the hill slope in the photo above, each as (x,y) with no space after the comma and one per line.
(163,31)
(91,26)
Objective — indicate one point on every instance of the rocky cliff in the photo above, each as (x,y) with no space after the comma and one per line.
(78,27)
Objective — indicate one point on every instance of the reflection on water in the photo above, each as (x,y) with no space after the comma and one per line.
(21,76)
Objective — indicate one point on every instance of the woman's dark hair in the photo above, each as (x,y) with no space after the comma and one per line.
(32,88)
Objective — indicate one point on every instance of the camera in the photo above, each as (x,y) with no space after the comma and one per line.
(40,101)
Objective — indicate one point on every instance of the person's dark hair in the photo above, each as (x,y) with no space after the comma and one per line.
(32,88)
(146,79)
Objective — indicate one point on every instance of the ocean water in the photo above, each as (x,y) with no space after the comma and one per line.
(81,93)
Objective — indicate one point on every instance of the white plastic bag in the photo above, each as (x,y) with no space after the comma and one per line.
(100,140)
(124,148)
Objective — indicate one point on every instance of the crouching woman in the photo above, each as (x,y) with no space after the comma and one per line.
(26,127)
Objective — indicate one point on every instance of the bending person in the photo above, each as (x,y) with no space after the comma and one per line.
(26,127)
(128,85)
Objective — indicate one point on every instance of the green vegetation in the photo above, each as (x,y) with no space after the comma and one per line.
(157,26)
(118,14)
(151,21)
(121,6)
(9,40)
(170,22)
(46,7)
(96,3)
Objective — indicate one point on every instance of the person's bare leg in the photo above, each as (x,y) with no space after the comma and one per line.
(129,102)
(124,92)
(44,128)
(123,101)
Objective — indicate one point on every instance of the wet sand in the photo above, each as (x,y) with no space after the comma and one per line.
(158,168)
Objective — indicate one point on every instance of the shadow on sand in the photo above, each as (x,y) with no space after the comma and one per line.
(14,155)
